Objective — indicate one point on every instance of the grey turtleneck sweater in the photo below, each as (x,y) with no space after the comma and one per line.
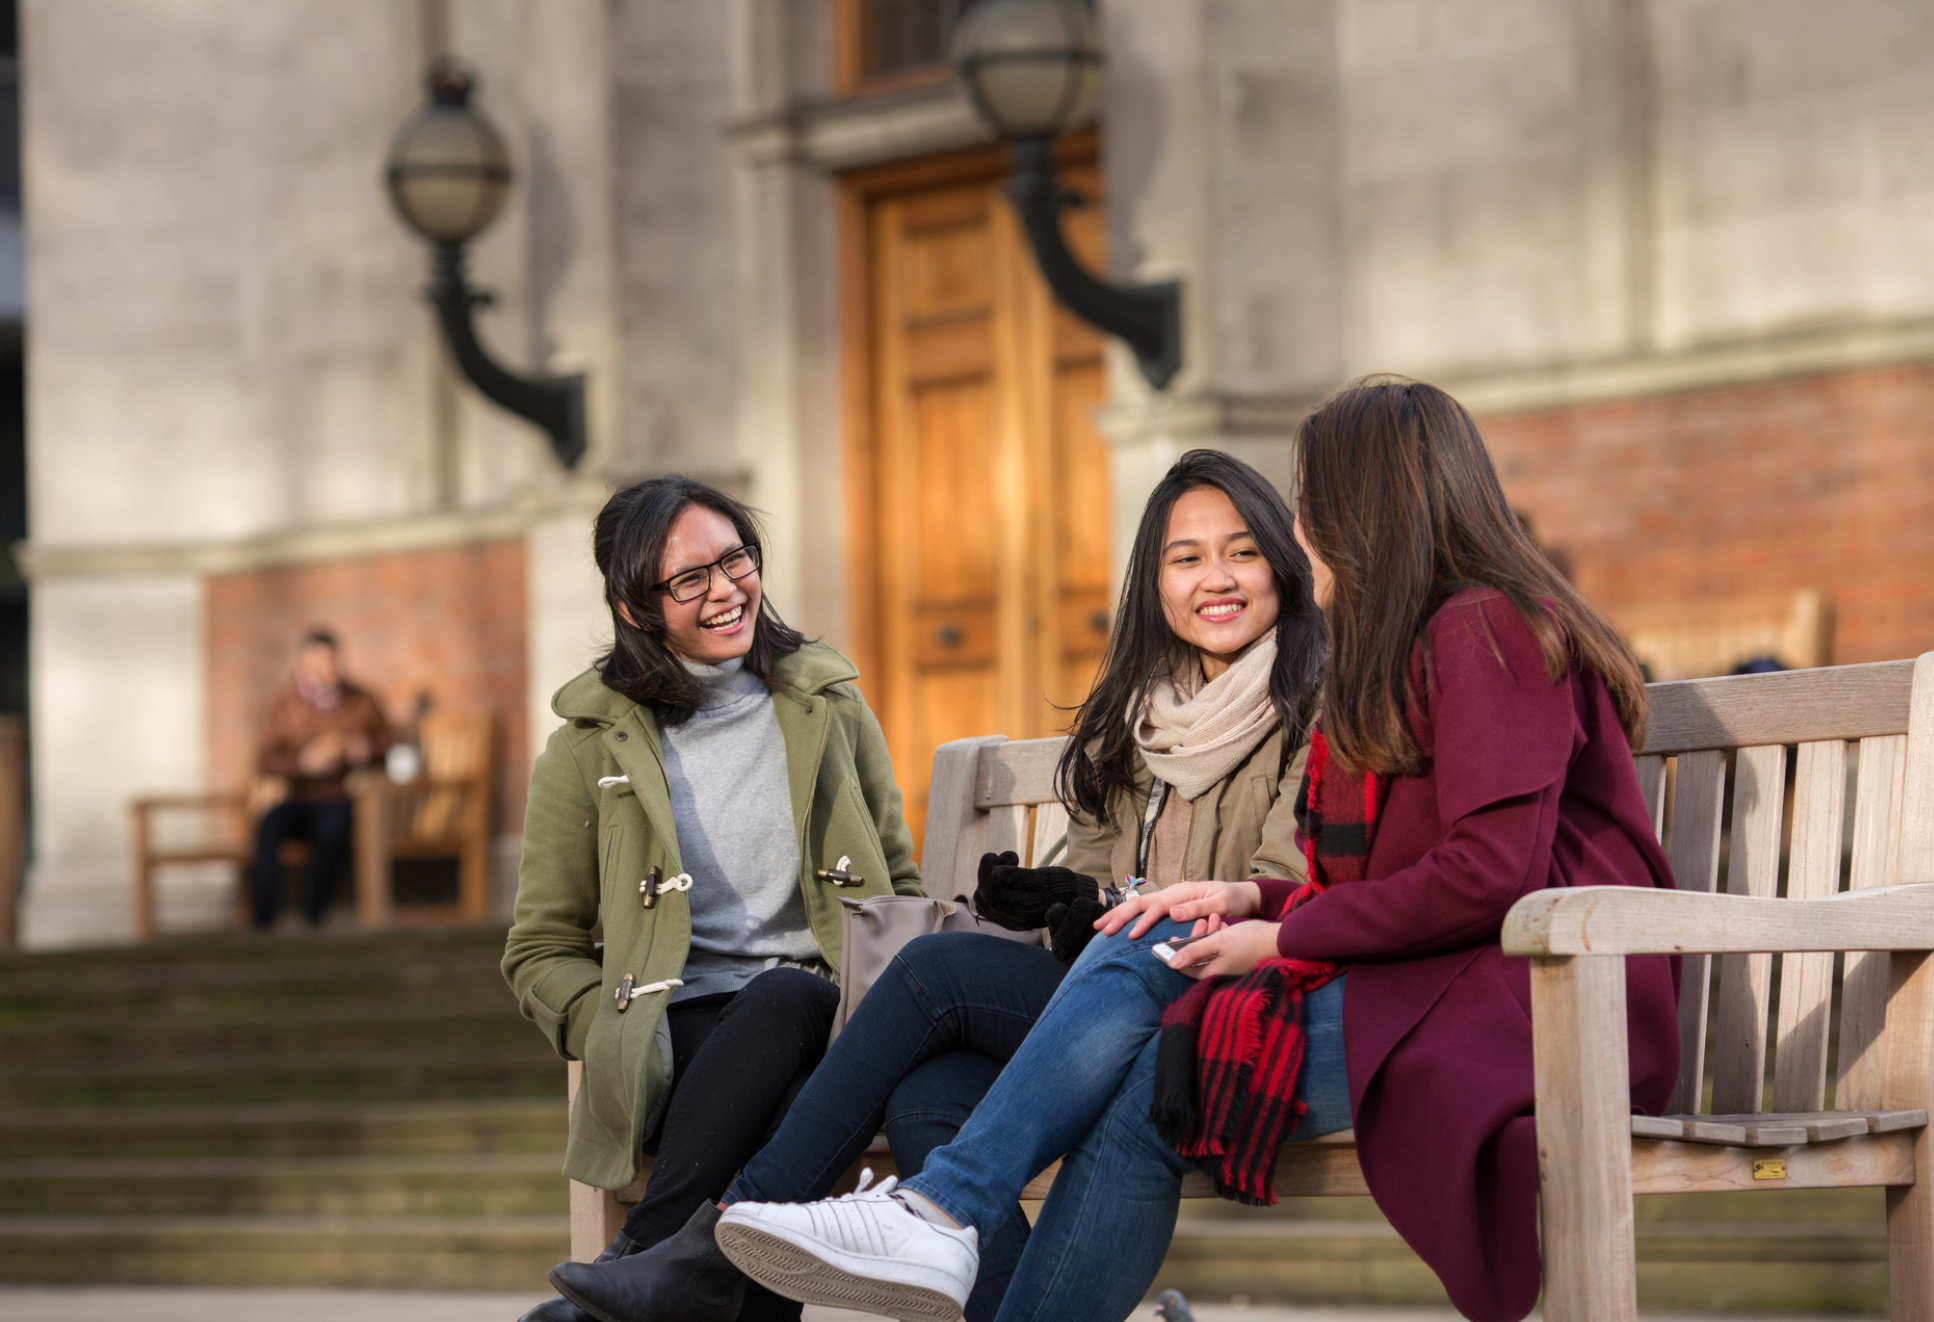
(726,767)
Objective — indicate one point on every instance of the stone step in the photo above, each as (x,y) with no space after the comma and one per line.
(365,1075)
(413,1252)
(328,1129)
(109,1037)
(242,949)
(481,1185)
(362,977)
(1752,1267)
(1746,1268)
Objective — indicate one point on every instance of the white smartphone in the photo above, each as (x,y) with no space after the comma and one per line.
(1165,950)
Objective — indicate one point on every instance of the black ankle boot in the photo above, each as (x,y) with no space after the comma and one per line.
(681,1279)
(563,1310)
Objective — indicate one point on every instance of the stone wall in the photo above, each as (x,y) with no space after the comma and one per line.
(1826,481)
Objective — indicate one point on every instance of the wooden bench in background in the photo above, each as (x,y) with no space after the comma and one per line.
(1855,1116)
(444,813)
(1694,640)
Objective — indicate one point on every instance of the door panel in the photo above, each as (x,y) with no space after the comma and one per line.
(982,566)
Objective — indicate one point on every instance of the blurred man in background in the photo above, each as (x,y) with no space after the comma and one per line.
(321,728)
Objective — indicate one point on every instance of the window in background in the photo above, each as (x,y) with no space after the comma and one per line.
(883,45)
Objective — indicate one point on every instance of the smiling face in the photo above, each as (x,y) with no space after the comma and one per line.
(1218,593)
(717,625)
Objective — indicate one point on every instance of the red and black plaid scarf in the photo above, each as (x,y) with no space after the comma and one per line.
(1231,1049)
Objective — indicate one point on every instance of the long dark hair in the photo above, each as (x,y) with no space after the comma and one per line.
(1399,498)
(628,541)
(1100,757)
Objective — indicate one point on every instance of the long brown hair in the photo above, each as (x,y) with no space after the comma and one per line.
(1398,496)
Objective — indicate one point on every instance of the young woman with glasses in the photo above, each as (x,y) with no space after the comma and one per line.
(1475,745)
(1179,768)
(718,785)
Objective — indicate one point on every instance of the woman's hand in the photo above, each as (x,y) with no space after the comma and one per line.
(1236,948)
(1218,902)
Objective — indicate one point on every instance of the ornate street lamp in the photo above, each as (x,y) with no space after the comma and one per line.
(1033,68)
(448,175)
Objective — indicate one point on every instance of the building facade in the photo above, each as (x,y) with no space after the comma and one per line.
(1678,255)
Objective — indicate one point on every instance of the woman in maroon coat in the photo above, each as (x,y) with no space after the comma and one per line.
(1475,745)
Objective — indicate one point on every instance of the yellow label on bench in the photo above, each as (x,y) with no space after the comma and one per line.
(1773,1168)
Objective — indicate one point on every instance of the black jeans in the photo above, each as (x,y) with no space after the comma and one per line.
(324,823)
(737,1062)
(922,1048)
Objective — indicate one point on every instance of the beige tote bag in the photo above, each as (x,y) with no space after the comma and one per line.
(872,930)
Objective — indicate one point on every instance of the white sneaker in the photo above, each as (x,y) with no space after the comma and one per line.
(866,1250)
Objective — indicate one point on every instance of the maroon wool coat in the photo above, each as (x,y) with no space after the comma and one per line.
(1529,784)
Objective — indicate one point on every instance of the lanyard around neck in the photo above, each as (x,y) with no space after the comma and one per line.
(1157,797)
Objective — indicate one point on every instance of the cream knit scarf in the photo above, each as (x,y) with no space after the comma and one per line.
(1193,734)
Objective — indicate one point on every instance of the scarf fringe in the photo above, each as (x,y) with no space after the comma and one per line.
(1173,1109)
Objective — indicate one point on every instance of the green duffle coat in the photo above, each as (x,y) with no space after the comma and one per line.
(587,847)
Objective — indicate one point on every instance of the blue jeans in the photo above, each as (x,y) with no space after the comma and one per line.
(1080,1088)
(918,1053)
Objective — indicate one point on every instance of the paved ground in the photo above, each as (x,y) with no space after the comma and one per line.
(159,1304)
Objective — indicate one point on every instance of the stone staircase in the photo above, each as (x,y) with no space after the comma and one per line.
(371,1111)
(1820,1251)
(333,1110)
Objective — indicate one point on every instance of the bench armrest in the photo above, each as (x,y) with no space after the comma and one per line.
(1626,920)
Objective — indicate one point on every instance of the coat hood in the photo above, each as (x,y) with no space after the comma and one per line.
(814,668)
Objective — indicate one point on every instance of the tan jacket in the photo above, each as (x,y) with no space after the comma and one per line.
(1243,826)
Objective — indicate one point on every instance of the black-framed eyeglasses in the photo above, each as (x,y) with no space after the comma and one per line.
(691,584)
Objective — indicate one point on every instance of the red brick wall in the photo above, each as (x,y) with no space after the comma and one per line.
(1824,481)
(447,622)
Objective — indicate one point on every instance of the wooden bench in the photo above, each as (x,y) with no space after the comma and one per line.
(444,813)
(1852,1117)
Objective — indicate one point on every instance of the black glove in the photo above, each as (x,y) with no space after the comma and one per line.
(1072,926)
(1018,898)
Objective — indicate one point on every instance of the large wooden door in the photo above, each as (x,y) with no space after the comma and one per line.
(982,561)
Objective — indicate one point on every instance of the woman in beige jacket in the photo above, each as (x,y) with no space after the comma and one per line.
(1182,765)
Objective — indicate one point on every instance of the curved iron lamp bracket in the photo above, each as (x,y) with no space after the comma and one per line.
(1147,318)
(555,404)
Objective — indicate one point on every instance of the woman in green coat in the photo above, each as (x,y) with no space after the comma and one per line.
(717,787)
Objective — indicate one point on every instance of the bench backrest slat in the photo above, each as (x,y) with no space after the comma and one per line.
(1876,862)
(1698,791)
(1739,1046)
(1806,981)
(1022,771)
(1651,769)
(1799,706)
(1049,829)
(1907,1050)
